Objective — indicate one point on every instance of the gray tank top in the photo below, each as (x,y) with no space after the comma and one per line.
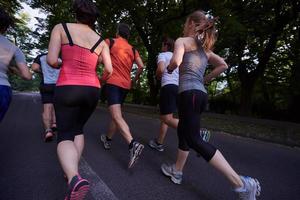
(191,70)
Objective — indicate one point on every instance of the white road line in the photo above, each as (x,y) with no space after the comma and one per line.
(98,189)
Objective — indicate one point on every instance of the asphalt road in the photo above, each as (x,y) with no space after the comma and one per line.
(29,169)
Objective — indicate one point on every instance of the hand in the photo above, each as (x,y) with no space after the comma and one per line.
(169,70)
(59,62)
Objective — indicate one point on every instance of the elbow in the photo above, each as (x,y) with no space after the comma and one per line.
(52,62)
(224,67)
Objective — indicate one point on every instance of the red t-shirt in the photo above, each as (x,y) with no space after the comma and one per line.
(122,59)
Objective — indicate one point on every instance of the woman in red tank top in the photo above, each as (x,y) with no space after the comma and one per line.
(77,89)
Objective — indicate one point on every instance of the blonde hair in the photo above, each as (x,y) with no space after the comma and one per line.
(205,29)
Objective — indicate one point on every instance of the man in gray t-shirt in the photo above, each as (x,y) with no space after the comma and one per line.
(9,52)
(47,87)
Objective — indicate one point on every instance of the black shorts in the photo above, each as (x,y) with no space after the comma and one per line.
(115,94)
(168,99)
(47,93)
(73,107)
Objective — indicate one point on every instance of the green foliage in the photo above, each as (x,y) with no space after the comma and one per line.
(259,40)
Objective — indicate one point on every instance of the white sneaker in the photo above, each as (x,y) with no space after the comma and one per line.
(250,190)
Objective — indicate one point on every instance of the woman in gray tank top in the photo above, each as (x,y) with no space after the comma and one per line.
(192,53)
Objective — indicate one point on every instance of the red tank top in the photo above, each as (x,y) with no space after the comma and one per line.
(79,64)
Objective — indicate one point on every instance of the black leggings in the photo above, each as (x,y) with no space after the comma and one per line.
(73,107)
(191,104)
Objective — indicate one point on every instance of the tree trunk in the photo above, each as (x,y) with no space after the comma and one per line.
(246,97)
(151,65)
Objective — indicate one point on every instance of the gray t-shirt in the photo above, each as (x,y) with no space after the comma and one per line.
(192,69)
(8,52)
(50,74)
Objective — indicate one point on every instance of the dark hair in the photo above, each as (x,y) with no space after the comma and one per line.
(5,21)
(205,29)
(169,42)
(86,12)
(123,30)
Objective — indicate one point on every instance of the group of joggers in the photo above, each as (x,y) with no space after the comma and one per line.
(70,90)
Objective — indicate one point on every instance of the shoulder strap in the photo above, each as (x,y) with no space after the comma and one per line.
(96,45)
(111,42)
(67,33)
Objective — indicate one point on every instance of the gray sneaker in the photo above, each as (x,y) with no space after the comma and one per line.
(153,144)
(250,190)
(106,143)
(205,134)
(135,153)
(169,170)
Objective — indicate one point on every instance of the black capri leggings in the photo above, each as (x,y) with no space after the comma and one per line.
(73,107)
(191,104)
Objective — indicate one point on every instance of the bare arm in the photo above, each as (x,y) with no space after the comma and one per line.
(106,60)
(160,69)
(36,67)
(24,71)
(140,65)
(54,47)
(219,66)
(177,56)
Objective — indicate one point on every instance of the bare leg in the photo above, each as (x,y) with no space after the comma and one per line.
(169,120)
(47,115)
(162,132)
(116,114)
(220,163)
(53,117)
(111,129)
(181,159)
(79,144)
(68,158)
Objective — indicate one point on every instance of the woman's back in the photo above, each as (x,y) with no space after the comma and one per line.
(80,52)
(193,66)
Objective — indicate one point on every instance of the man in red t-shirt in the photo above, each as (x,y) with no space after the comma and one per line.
(123,56)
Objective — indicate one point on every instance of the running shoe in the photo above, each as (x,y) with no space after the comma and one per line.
(134,153)
(154,145)
(205,134)
(250,190)
(48,136)
(106,143)
(78,188)
(170,171)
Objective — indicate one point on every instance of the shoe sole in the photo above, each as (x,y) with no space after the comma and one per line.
(103,141)
(258,188)
(81,191)
(136,156)
(154,147)
(166,173)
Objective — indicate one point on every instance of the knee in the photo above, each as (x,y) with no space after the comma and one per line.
(166,118)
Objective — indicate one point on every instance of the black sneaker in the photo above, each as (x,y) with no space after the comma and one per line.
(134,153)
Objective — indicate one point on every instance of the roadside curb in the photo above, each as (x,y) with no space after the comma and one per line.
(286,133)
